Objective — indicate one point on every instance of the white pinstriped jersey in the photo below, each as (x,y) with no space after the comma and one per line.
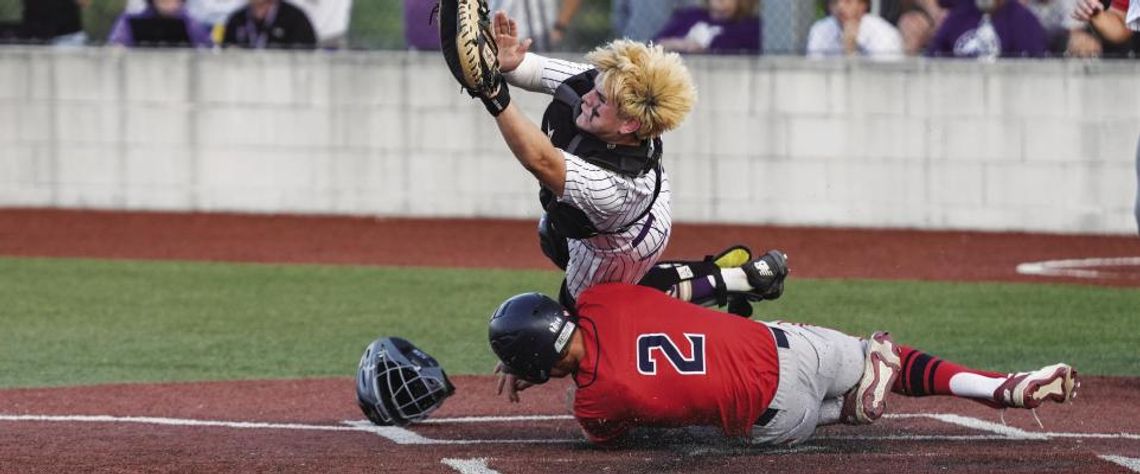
(608,199)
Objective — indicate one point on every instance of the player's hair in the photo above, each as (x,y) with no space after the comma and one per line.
(647,84)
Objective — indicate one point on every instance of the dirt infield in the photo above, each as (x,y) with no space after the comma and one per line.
(229,426)
(297,426)
(814,252)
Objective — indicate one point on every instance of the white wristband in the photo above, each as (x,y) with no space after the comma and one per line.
(528,74)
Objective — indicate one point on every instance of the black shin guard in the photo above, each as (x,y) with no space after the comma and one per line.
(667,276)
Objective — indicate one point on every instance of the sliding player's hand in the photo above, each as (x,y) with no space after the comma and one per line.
(513,384)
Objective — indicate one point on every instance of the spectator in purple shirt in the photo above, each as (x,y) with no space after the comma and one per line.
(421,30)
(721,27)
(988,29)
(123,32)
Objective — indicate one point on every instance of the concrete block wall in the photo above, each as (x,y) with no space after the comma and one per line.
(1021,145)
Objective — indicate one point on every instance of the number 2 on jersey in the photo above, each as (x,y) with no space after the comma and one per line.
(650,345)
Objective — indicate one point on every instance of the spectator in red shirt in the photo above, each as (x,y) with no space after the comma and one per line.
(1117,22)
(640,358)
(1116,25)
(1066,35)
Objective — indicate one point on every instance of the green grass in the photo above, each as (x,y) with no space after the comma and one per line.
(69,322)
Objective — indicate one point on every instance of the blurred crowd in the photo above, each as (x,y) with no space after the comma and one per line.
(305,24)
(879,29)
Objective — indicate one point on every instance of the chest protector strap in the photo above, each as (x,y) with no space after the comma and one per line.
(632,161)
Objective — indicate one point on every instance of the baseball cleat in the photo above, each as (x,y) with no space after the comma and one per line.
(1057,382)
(867,401)
(766,275)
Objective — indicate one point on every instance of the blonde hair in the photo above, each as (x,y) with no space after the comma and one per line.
(647,84)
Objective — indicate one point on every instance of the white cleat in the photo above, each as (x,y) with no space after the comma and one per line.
(1057,382)
(867,401)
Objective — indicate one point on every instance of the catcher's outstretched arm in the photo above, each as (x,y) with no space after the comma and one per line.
(537,73)
(533,149)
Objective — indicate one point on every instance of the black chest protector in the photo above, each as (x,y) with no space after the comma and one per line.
(632,161)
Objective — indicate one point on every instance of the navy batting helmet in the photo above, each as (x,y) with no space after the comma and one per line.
(529,333)
(397,383)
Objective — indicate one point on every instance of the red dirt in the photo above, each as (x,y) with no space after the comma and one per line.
(813,252)
(58,446)
(28,446)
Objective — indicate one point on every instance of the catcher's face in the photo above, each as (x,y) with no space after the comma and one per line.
(600,117)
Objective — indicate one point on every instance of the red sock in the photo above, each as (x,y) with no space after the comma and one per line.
(924,374)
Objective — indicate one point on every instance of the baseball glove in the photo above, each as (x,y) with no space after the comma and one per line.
(469,48)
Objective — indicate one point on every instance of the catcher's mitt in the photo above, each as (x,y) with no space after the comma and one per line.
(470,51)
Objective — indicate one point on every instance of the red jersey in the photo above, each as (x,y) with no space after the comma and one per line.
(1121,5)
(652,360)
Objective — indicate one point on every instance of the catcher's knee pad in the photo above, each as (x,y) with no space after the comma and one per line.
(666,275)
(672,277)
(553,243)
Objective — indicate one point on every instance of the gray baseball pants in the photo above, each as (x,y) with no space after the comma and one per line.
(817,367)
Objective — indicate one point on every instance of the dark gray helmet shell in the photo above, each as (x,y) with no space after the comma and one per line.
(397,383)
(529,333)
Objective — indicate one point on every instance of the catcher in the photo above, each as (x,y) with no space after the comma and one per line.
(687,366)
(597,157)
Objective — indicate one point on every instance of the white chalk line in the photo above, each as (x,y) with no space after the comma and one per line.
(1130,463)
(496,419)
(980,425)
(469,466)
(175,422)
(1080,268)
(1003,432)
(395,434)
(404,436)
